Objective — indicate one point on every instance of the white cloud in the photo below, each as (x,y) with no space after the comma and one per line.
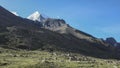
(15,13)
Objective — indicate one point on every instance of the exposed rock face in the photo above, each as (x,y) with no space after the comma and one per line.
(118,47)
(58,25)
(111,41)
(54,24)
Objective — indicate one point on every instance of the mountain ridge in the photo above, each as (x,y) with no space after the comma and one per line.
(55,34)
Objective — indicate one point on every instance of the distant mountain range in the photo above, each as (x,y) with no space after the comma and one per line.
(38,32)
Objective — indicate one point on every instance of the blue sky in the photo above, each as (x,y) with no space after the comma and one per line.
(100,18)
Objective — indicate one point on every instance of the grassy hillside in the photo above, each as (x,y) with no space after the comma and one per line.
(17,37)
(44,59)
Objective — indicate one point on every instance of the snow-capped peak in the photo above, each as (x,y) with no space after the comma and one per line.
(15,13)
(36,16)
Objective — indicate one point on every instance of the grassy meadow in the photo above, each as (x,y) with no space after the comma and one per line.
(44,59)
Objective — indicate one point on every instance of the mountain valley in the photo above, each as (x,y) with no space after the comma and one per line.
(37,41)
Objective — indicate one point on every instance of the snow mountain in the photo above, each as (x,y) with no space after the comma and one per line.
(15,13)
(36,16)
(48,23)
(54,35)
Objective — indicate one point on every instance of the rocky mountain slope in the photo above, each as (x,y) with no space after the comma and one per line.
(112,41)
(51,35)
